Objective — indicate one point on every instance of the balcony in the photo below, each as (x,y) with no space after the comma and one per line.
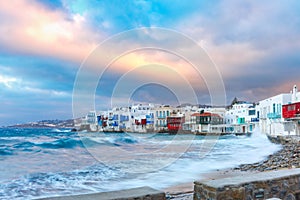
(254,119)
(274,115)
(161,125)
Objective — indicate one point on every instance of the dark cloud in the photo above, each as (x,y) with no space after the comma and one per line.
(260,78)
(152,93)
(47,73)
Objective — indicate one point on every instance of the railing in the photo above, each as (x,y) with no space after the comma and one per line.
(254,119)
(274,115)
(160,125)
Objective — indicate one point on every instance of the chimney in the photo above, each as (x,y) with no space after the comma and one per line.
(294,94)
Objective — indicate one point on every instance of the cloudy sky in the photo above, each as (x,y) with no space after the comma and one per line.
(44,44)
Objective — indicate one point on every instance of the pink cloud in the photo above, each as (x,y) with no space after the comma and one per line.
(29,27)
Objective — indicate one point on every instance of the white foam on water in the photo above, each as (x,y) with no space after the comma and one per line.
(61,130)
(229,152)
(184,166)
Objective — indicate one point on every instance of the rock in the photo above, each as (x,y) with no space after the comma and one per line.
(287,157)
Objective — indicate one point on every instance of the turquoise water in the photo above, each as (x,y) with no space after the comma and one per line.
(51,162)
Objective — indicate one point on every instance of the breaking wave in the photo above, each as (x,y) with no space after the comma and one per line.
(36,163)
(61,143)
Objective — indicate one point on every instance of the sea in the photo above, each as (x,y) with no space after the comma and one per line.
(36,163)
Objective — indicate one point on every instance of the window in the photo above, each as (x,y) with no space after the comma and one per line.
(251,112)
(291,107)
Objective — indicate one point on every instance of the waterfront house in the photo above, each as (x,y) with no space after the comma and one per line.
(291,113)
(188,124)
(160,117)
(142,118)
(116,119)
(175,122)
(89,122)
(241,117)
(278,114)
(121,118)
(195,122)
(205,122)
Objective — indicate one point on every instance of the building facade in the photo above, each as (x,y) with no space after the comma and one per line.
(291,113)
(161,113)
(271,118)
(175,123)
(242,117)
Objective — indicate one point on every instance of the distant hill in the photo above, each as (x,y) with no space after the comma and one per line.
(47,124)
(199,105)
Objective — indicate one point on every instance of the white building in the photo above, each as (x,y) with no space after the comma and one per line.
(271,119)
(206,122)
(188,111)
(220,111)
(91,117)
(188,123)
(291,113)
(90,122)
(160,117)
(142,117)
(242,118)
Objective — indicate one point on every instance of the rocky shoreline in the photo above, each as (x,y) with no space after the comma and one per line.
(286,158)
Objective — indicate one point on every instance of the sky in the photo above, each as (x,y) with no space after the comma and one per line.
(45,44)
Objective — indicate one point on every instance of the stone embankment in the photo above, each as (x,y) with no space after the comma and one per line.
(282,184)
(288,157)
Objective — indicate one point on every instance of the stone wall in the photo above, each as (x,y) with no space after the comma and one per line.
(282,184)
